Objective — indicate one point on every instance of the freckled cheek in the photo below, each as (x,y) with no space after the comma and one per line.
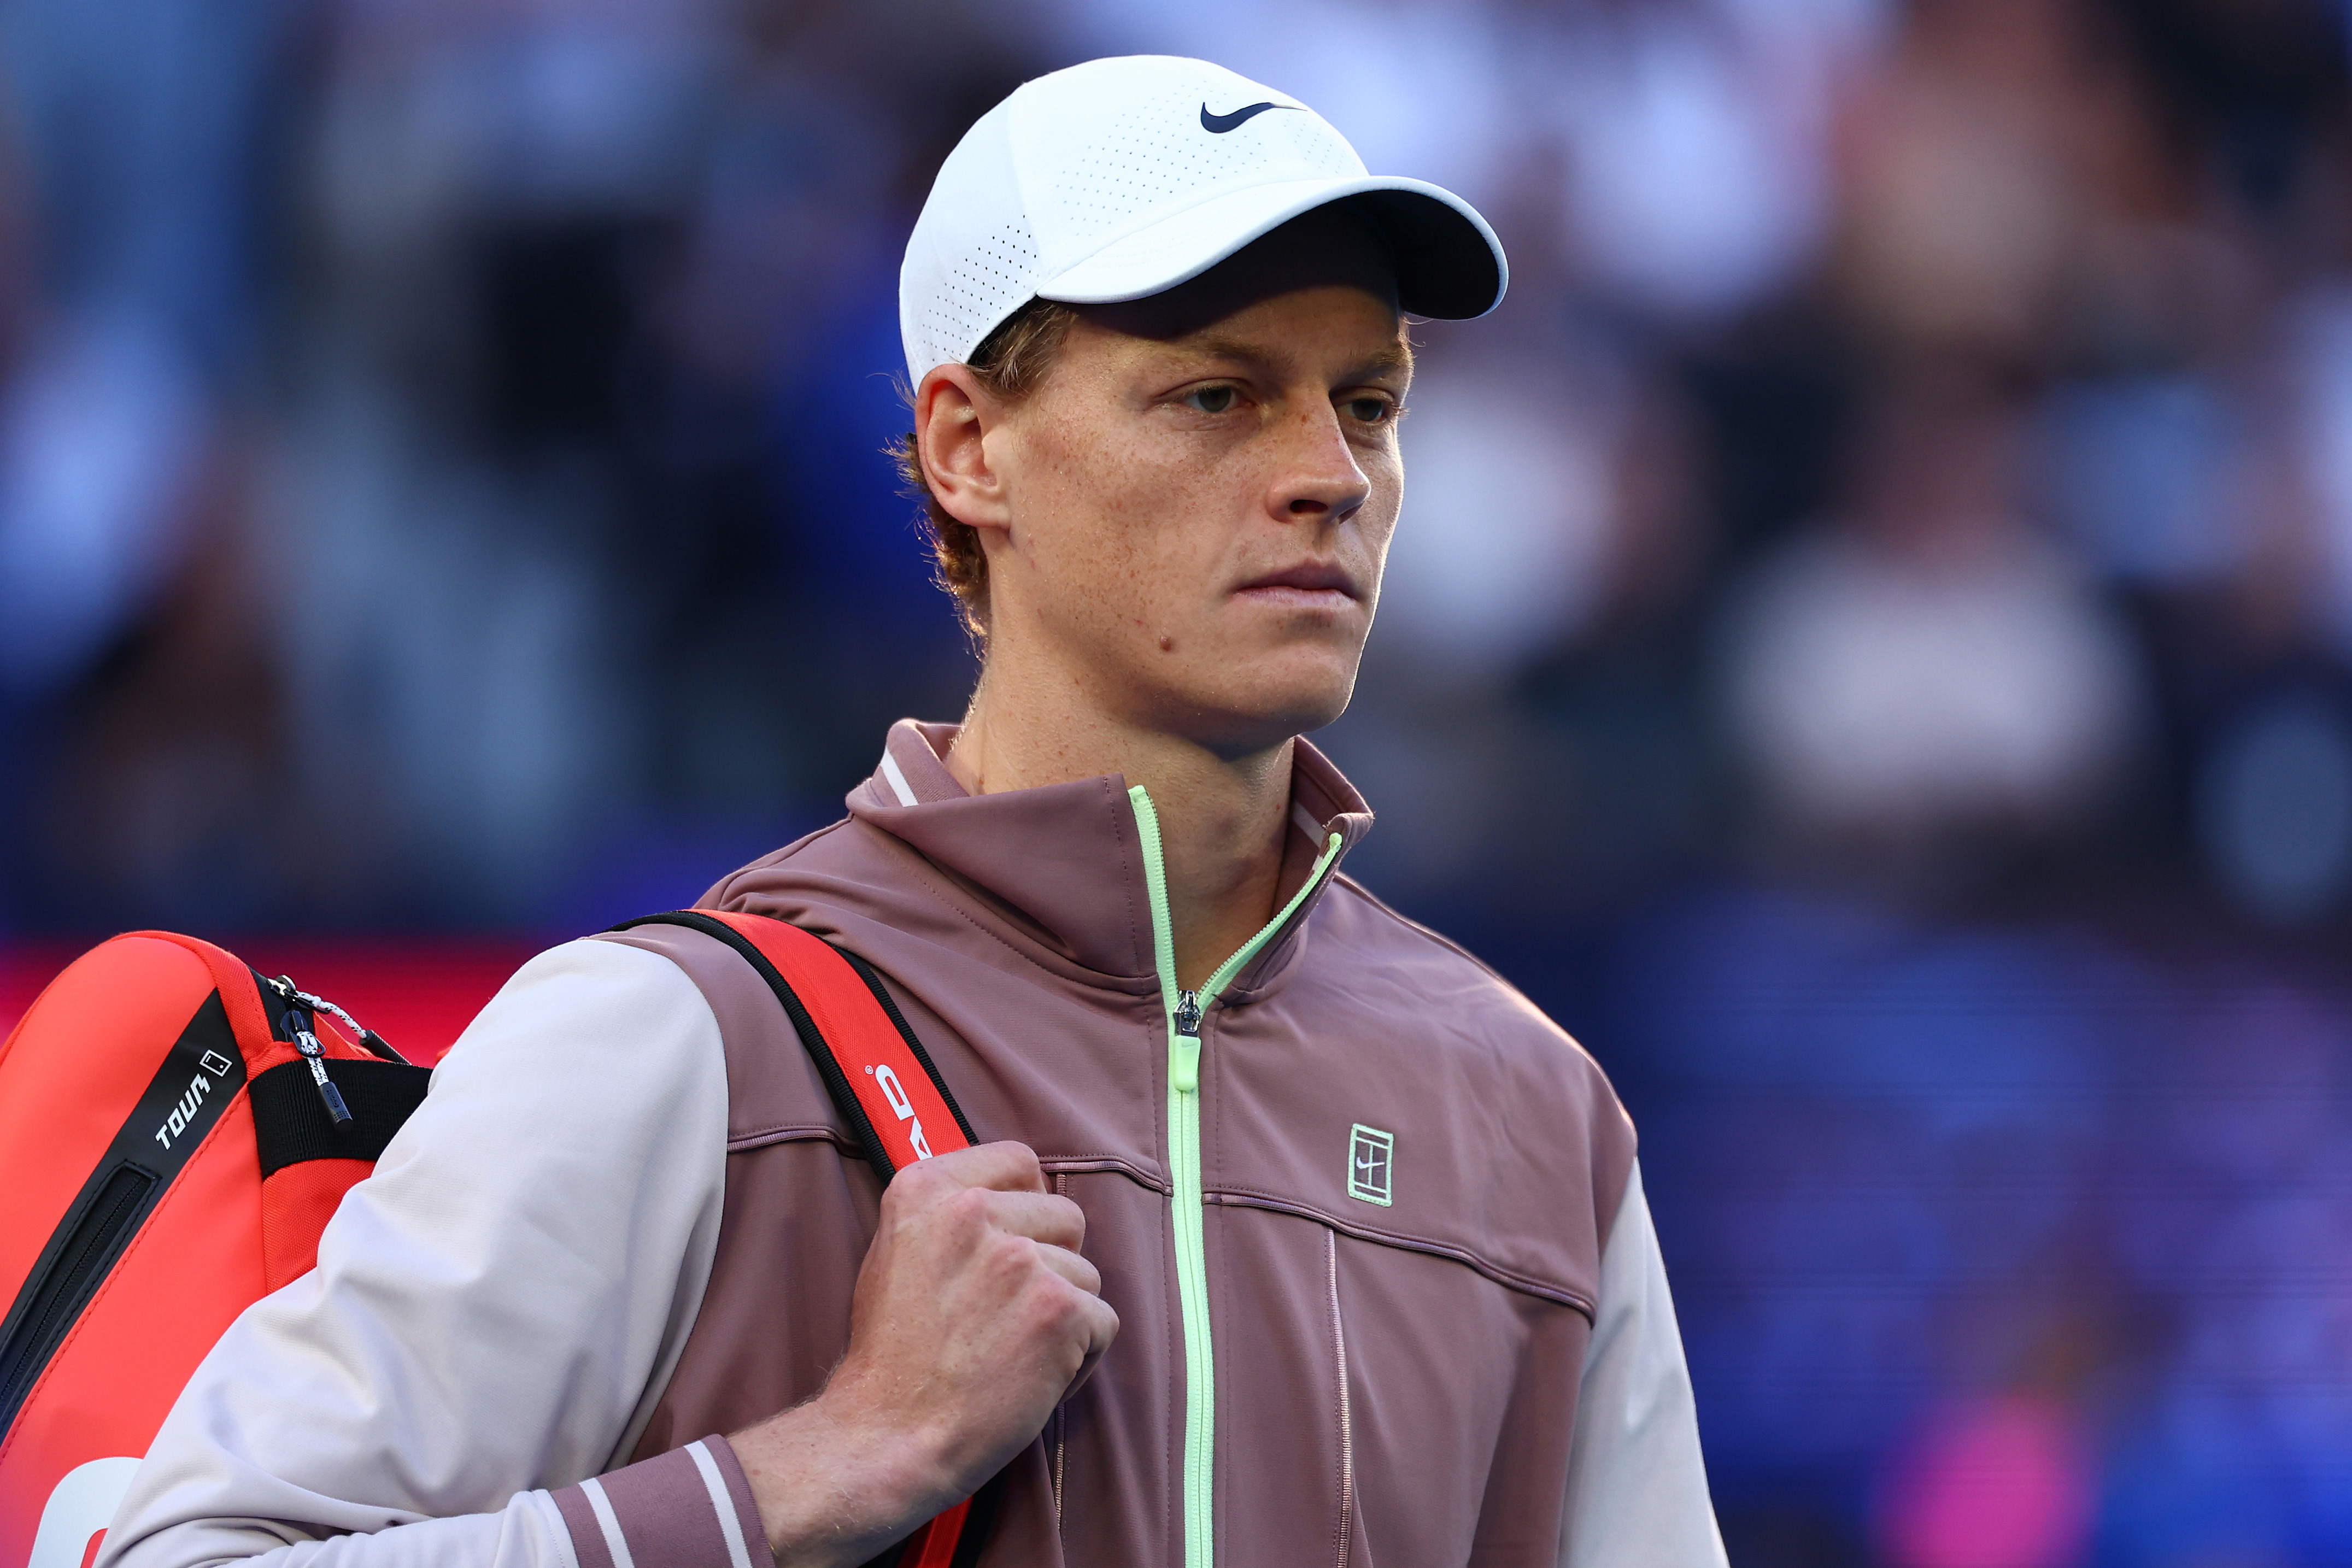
(1159,524)
(1140,533)
(1105,565)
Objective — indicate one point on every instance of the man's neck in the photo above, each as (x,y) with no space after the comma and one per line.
(1221,820)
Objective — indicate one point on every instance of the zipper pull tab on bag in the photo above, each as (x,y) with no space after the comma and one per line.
(299,1020)
(308,1044)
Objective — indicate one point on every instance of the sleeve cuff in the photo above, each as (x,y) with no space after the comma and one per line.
(691,1507)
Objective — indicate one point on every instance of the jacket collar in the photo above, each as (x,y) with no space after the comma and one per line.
(1064,864)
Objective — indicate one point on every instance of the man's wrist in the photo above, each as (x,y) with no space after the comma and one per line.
(832,1490)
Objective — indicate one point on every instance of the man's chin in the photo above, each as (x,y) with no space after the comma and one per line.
(1236,722)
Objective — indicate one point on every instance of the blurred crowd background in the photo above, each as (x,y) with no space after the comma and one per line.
(1870,648)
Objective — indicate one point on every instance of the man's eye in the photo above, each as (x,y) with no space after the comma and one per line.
(1211,400)
(1371,410)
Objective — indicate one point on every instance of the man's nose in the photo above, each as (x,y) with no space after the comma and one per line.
(1320,478)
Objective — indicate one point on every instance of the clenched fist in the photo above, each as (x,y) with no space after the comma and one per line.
(975,1316)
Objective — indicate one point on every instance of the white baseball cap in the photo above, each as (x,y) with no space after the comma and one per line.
(1121,178)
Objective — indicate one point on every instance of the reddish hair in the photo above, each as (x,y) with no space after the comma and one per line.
(1009,363)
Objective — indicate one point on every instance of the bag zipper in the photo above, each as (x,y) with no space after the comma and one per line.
(1184,1009)
(89,1251)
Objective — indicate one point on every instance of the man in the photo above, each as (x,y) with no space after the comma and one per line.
(1307,1239)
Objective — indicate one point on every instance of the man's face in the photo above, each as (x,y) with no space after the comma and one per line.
(1201,491)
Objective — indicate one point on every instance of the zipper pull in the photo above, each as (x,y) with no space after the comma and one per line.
(315,1055)
(1184,1045)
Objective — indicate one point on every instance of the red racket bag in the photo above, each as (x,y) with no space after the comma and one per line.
(175,1131)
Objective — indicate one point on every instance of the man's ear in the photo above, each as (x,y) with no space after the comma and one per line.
(954,415)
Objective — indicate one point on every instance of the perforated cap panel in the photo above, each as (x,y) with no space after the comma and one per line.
(972,259)
(990,282)
(1146,153)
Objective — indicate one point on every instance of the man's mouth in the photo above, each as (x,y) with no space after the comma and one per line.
(1311,585)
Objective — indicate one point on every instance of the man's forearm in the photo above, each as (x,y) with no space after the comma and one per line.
(829,1496)
(691,1507)
(528,1532)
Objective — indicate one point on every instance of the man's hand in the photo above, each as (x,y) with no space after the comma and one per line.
(975,1316)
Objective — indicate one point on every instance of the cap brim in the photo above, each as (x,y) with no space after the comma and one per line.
(1449,264)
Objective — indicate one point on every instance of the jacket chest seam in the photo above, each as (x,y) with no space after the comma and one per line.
(1233,1197)
(789,1132)
(1104,1164)
(1053,1164)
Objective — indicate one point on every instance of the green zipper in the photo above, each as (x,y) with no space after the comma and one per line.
(1184,1009)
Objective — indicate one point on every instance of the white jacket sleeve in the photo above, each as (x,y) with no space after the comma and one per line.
(495,1312)
(1636,1482)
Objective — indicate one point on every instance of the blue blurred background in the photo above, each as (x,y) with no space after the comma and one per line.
(1870,648)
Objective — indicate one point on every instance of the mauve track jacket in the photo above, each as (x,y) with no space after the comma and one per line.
(1388,1290)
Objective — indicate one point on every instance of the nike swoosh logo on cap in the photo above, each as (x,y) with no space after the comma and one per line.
(1218,124)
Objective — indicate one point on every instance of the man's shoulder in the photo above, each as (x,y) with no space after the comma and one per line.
(812,853)
(600,999)
(1450,979)
(1466,1003)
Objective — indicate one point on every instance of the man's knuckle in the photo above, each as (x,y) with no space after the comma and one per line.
(1050,1309)
(1008,1256)
(967,1206)
(912,1186)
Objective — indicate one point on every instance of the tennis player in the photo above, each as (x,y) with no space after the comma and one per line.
(1302,1238)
